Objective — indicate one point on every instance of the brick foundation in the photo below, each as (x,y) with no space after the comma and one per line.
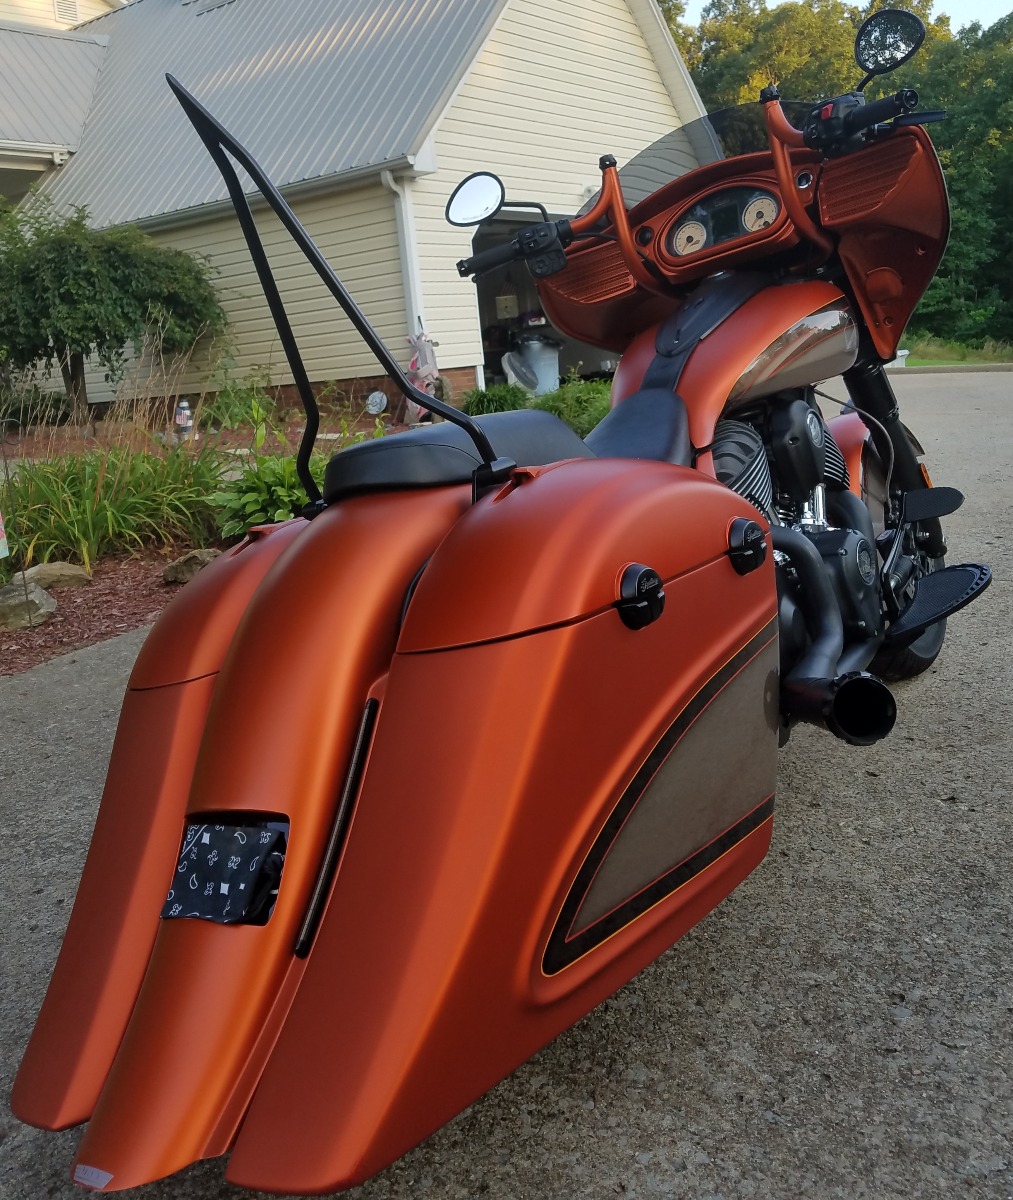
(354,391)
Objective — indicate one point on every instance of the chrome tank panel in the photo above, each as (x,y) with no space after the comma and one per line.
(817,347)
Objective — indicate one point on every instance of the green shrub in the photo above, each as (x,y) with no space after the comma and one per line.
(267,488)
(580,403)
(266,491)
(500,397)
(234,402)
(79,507)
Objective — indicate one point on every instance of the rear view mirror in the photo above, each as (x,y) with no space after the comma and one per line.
(475,199)
(887,39)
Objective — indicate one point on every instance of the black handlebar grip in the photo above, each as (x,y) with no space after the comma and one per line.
(488,260)
(881,110)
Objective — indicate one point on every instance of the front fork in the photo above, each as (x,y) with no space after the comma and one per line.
(873,397)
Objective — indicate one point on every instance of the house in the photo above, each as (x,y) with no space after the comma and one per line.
(54,14)
(39,130)
(366,116)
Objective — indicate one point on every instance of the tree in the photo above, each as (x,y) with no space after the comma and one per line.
(69,292)
(971,77)
(806,49)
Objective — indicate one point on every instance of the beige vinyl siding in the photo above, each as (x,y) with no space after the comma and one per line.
(558,84)
(355,228)
(43,12)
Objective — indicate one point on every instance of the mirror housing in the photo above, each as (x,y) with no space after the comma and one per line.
(887,39)
(475,199)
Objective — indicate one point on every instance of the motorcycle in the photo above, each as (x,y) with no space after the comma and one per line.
(609,639)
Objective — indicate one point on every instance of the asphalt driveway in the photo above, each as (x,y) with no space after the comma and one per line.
(842,1026)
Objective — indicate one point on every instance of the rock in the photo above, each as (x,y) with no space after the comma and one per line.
(185,568)
(18,611)
(57,575)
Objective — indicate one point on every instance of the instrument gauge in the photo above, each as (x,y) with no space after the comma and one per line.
(760,212)
(689,237)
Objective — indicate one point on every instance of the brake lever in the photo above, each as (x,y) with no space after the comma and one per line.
(920,118)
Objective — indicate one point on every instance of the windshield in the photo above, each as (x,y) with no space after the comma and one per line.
(726,133)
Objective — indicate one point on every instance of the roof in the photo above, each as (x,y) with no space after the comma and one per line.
(314,89)
(47,78)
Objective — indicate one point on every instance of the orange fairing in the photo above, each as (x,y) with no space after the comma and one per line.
(111,929)
(429,979)
(887,206)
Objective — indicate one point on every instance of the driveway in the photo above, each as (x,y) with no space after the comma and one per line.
(842,1026)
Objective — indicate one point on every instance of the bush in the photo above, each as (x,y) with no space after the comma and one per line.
(580,403)
(79,507)
(236,402)
(265,491)
(500,397)
(25,407)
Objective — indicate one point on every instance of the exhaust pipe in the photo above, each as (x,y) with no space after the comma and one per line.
(856,707)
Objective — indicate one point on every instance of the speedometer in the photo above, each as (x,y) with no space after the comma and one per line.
(690,236)
(760,212)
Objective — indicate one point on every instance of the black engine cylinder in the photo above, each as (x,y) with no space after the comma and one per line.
(798,444)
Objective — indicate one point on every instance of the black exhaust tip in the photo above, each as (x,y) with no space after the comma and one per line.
(858,707)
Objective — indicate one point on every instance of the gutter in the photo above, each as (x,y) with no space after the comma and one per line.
(48,153)
(291,192)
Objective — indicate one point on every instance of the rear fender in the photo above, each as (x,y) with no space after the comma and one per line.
(108,941)
(318,633)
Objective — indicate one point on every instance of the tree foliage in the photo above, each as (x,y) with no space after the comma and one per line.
(806,49)
(69,292)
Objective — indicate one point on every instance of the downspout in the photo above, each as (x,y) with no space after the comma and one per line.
(408,250)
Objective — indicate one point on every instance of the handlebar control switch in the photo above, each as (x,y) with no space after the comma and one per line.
(747,545)
(641,596)
(542,248)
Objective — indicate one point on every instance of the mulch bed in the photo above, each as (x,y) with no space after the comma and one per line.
(125,593)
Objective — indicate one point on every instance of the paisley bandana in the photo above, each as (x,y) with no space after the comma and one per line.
(229,874)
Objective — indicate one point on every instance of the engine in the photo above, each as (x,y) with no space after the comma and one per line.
(783,459)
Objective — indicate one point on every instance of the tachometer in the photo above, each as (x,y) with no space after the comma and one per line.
(760,212)
(689,237)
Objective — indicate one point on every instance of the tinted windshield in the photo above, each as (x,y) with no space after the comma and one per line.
(726,133)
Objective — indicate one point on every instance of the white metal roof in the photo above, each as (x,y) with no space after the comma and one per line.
(47,78)
(313,88)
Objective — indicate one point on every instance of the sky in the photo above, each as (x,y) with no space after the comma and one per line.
(960,12)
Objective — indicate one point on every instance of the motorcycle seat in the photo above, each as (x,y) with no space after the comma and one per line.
(440,455)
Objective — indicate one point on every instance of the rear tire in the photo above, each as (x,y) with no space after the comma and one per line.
(909,661)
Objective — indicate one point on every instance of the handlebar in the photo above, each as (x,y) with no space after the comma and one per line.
(904,101)
(488,260)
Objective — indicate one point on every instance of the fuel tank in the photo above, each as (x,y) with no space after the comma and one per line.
(784,336)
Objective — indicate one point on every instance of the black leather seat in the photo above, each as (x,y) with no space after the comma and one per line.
(438,455)
(649,424)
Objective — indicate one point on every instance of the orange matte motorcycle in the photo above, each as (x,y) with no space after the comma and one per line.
(307,942)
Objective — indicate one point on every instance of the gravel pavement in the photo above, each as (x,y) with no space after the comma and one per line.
(840,1027)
